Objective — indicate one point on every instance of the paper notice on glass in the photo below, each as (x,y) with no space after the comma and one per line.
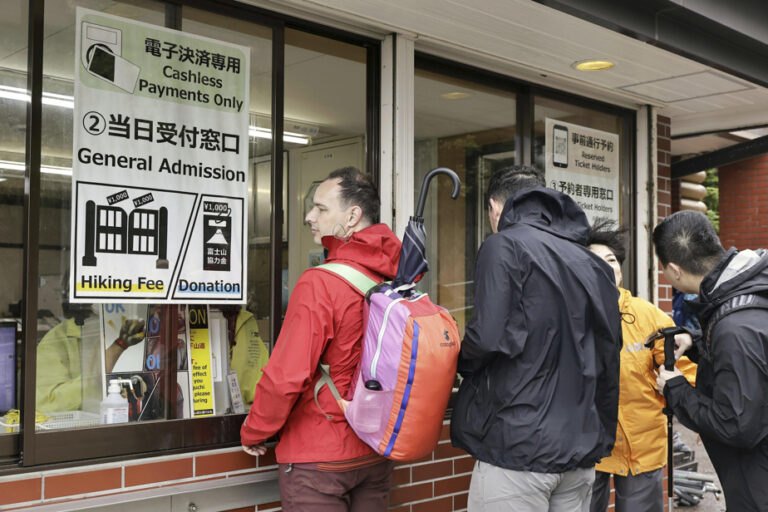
(200,364)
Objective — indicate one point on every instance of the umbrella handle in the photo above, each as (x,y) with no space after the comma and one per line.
(425,187)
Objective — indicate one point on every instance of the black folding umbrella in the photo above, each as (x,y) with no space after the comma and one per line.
(413,255)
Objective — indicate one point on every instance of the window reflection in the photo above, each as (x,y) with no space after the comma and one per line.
(471,129)
(13,114)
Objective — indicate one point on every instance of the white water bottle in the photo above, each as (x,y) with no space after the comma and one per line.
(114,408)
(369,412)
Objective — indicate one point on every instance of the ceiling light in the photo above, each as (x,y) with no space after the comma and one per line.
(47,169)
(455,95)
(49,98)
(266,133)
(592,65)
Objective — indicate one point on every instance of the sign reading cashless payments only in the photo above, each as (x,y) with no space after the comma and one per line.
(160,168)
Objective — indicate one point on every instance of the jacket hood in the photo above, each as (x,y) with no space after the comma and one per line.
(375,248)
(548,210)
(738,273)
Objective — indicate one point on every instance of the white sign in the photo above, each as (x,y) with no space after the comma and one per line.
(584,163)
(160,167)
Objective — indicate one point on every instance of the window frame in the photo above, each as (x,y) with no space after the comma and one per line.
(526,94)
(41,449)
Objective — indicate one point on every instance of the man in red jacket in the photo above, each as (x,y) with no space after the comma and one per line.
(323,464)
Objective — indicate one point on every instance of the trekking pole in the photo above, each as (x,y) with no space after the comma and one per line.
(668,333)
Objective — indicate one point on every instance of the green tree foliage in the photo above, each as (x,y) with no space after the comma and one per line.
(712,199)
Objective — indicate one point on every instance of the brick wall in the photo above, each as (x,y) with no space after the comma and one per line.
(664,196)
(744,203)
(439,482)
(64,485)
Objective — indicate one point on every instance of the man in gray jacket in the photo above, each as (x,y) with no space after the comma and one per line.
(540,358)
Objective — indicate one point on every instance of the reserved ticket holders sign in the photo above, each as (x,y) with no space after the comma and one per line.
(160,167)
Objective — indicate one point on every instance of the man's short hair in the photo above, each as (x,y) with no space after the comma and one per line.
(507,181)
(604,232)
(688,239)
(357,189)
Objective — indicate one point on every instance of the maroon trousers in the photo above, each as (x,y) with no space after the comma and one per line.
(357,490)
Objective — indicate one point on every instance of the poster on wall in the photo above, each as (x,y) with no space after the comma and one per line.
(584,163)
(201,364)
(160,166)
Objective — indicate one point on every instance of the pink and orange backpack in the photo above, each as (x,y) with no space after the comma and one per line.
(407,369)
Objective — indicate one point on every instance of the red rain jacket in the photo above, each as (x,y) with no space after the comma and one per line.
(324,322)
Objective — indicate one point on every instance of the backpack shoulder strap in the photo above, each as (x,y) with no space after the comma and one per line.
(359,281)
(362,284)
(325,380)
(737,303)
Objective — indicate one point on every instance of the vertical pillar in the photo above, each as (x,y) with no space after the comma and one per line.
(403,133)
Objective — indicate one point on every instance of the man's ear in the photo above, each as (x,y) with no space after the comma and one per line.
(354,216)
(494,213)
(677,271)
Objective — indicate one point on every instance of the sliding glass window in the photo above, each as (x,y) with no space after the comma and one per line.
(14,98)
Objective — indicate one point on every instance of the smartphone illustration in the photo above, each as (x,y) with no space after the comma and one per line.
(560,145)
(112,68)
(101,50)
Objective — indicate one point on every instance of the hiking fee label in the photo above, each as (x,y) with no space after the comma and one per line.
(160,167)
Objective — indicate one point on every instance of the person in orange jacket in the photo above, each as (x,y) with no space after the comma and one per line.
(640,452)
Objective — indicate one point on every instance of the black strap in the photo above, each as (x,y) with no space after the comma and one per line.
(732,305)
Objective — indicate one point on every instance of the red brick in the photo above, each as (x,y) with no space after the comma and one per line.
(441,505)
(664,144)
(452,485)
(444,451)
(445,432)
(460,501)
(57,486)
(431,471)
(268,459)
(400,495)
(463,465)
(267,506)
(141,474)
(223,463)
(404,508)
(18,491)
(243,509)
(401,476)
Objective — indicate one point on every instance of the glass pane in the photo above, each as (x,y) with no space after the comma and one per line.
(83,347)
(471,129)
(71,356)
(325,114)
(13,117)
(585,158)
(246,329)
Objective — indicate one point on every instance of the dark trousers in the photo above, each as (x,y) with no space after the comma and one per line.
(642,492)
(357,490)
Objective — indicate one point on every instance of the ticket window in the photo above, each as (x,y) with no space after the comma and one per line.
(325,122)
(76,352)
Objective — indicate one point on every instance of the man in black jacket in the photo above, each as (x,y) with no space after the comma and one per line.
(540,358)
(729,405)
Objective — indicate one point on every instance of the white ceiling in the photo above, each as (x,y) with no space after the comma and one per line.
(536,43)
(324,80)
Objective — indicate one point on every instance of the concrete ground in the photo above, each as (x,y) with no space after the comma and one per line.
(709,503)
